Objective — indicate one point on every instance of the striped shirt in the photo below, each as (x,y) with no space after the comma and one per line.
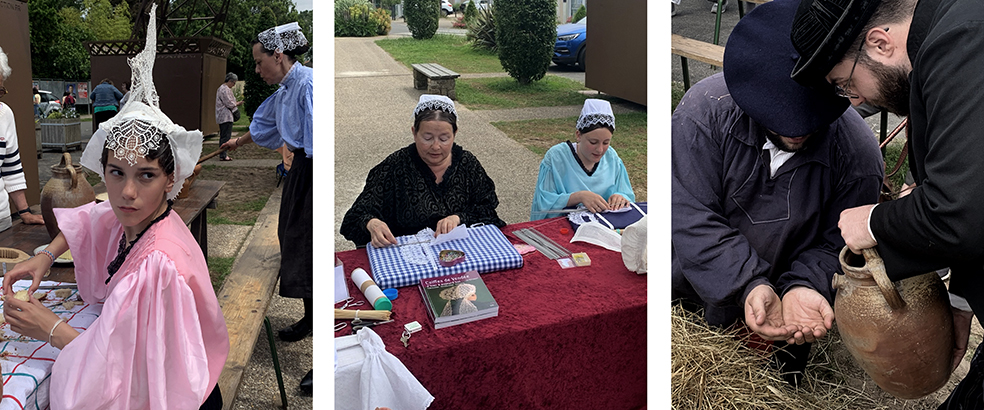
(11,172)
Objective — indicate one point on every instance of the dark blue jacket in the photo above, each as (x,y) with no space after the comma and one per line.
(105,94)
(735,227)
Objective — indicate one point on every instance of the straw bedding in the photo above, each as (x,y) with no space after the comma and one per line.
(713,370)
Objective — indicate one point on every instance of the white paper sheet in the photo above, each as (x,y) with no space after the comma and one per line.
(598,234)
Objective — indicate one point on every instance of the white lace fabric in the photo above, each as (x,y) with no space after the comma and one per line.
(282,38)
(434,102)
(594,112)
(140,125)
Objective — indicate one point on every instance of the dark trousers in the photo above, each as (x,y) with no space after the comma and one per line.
(99,118)
(225,134)
(213,401)
(969,394)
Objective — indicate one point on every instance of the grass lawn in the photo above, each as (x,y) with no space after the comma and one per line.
(451,51)
(676,93)
(629,140)
(506,92)
(218,269)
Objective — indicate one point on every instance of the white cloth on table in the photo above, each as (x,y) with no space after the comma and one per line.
(26,364)
(634,246)
(367,376)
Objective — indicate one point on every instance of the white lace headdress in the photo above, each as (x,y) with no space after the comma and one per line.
(284,37)
(435,102)
(596,111)
(140,125)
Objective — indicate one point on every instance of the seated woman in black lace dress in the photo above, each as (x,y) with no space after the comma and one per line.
(431,183)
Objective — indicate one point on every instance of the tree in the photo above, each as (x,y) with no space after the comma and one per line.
(579,14)
(422,17)
(471,12)
(525,33)
(106,21)
(245,20)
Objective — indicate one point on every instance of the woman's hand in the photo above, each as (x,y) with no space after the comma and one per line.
(29,318)
(237,142)
(592,201)
(380,233)
(34,268)
(617,201)
(32,219)
(446,225)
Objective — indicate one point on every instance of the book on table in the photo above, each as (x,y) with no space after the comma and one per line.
(457,298)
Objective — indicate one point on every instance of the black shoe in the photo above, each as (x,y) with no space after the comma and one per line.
(296,331)
(790,360)
(307,383)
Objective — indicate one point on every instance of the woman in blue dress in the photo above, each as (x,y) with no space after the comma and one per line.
(286,117)
(587,172)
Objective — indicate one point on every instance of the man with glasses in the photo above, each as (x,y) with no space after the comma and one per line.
(922,59)
(12,181)
(762,168)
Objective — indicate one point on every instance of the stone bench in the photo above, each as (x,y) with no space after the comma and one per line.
(435,79)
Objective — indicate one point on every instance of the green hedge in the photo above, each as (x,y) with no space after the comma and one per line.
(525,33)
(357,18)
(422,17)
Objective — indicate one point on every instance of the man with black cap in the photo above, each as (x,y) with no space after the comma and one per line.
(922,59)
(762,168)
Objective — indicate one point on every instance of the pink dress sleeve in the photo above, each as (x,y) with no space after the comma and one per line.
(93,234)
(146,350)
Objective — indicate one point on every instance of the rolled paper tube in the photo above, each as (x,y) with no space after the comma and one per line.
(363,314)
(372,292)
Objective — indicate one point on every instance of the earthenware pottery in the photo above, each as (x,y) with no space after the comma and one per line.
(900,333)
(67,188)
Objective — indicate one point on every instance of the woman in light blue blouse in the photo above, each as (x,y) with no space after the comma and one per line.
(286,118)
(587,172)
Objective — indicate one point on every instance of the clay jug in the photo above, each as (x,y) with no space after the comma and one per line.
(900,333)
(67,188)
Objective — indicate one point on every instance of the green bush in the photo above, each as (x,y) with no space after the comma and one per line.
(481,29)
(579,14)
(470,11)
(525,33)
(422,17)
(357,18)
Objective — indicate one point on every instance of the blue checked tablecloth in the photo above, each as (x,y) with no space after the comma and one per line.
(486,250)
(26,363)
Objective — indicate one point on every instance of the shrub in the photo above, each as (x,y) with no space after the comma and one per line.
(525,33)
(459,23)
(471,11)
(422,17)
(579,14)
(481,30)
(356,18)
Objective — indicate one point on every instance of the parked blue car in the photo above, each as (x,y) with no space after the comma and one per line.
(569,48)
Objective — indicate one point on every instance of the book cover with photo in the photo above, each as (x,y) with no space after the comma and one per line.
(456,299)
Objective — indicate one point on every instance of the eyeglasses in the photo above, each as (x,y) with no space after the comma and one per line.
(3,91)
(842,91)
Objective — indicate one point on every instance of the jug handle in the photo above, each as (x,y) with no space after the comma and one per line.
(67,162)
(877,268)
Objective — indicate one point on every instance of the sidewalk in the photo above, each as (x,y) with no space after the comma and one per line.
(374,99)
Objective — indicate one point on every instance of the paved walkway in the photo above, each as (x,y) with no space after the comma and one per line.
(374,99)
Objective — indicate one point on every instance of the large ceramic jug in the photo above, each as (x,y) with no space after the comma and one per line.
(67,188)
(900,333)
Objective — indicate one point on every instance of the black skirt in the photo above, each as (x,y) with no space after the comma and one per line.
(296,228)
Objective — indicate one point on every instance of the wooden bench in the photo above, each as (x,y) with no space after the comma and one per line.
(435,79)
(695,49)
(244,298)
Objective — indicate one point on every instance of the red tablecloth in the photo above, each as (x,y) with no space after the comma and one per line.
(564,338)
